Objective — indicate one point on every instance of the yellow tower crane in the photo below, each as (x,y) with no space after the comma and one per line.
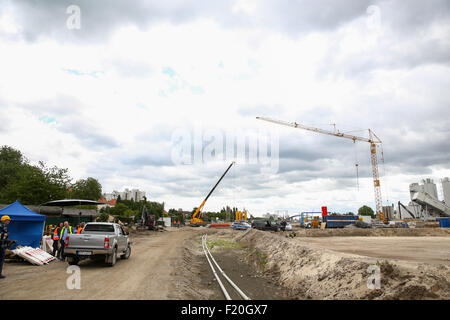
(373,140)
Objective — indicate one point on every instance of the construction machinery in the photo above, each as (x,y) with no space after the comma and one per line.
(196,217)
(240,215)
(373,140)
(148,220)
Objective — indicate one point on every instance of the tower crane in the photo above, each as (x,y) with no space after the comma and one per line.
(373,140)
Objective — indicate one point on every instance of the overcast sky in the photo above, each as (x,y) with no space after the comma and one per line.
(112,98)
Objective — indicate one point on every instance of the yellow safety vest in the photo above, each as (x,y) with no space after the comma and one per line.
(62,231)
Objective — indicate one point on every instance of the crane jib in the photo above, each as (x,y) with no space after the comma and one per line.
(203,203)
(223,175)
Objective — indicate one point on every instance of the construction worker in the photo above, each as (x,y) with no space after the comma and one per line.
(66,229)
(56,233)
(81,226)
(4,221)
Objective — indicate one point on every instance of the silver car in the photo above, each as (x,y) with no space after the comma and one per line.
(98,240)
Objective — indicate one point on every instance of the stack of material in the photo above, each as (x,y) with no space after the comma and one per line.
(47,244)
(34,255)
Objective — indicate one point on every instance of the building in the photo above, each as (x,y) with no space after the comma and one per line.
(110,203)
(134,194)
(446,190)
(425,200)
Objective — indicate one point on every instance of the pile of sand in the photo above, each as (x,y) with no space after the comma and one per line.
(378,232)
(324,274)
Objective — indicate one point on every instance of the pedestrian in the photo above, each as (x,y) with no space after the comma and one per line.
(56,234)
(80,227)
(66,230)
(4,221)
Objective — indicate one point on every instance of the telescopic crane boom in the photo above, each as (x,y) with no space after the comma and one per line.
(195,217)
(373,140)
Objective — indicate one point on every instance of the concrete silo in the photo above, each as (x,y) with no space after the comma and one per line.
(430,187)
(446,190)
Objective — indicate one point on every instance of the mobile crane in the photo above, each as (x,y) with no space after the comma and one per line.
(196,217)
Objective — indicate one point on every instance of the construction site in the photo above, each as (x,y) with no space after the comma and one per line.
(204,152)
(400,253)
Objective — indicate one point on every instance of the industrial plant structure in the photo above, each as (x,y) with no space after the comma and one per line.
(425,201)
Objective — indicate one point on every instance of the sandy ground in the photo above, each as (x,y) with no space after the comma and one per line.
(413,267)
(147,274)
(431,250)
(266,265)
(162,265)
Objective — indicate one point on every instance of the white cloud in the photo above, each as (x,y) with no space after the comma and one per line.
(108,109)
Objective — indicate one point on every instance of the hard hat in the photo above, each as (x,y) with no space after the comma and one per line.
(4,218)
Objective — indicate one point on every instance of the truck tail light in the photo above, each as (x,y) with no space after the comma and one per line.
(106,242)
(66,243)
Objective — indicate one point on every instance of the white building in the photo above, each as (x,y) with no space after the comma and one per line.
(134,194)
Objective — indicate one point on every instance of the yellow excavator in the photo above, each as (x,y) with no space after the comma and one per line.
(196,220)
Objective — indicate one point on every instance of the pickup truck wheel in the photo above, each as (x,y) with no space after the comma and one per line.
(113,258)
(127,253)
(73,261)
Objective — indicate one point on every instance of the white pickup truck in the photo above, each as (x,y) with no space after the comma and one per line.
(98,240)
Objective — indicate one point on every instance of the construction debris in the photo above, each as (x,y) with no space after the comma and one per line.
(35,256)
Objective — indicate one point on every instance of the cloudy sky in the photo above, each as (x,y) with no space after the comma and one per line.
(121,90)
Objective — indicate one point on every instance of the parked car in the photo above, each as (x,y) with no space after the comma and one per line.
(286,226)
(266,225)
(98,240)
(241,225)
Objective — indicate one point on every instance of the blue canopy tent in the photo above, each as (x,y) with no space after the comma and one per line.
(26,226)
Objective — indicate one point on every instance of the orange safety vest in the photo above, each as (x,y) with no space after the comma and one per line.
(55,234)
(79,230)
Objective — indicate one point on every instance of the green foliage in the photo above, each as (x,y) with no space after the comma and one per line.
(30,184)
(118,210)
(36,184)
(88,189)
(129,213)
(103,217)
(366,211)
(176,215)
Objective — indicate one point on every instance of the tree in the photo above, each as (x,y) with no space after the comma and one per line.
(36,184)
(366,211)
(87,189)
(11,161)
(118,210)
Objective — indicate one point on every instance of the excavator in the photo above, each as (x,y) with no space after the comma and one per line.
(196,220)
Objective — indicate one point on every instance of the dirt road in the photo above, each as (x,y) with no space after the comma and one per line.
(147,274)
(431,250)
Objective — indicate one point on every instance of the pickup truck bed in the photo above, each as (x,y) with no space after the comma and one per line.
(98,240)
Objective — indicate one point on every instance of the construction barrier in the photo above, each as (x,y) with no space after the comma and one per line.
(219,225)
(35,256)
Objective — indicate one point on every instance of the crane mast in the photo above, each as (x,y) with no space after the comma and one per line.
(373,140)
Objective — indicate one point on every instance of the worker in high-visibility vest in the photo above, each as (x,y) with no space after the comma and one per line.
(56,233)
(80,227)
(65,231)
(4,221)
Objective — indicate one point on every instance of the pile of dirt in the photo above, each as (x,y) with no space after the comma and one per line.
(375,232)
(316,273)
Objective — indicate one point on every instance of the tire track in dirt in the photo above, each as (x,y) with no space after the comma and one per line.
(145,275)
